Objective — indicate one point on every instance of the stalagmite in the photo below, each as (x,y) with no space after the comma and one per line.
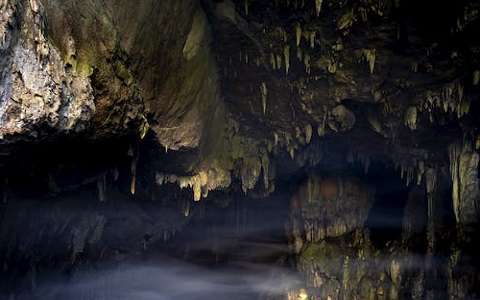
(318,6)
(286,57)
(298,34)
(264,93)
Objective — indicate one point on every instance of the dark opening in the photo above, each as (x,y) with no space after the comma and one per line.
(386,215)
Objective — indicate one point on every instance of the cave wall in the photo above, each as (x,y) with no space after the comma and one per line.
(181,99)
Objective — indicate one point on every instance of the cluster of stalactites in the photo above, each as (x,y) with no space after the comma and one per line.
(201,183)
(315,5)
(252,169)
(280,56)
(292,142)
(449,99)
(412,171)
(362,159)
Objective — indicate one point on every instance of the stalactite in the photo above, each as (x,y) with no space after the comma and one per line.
(464,163)
(307,63)
(291,151)
(34,6)
(346,274)
(370,56)
(420,171)
(299,54)
(308,133)
(322,128)
(298,34)
(144,127)
(476,77)
(264,94)
(454,154)
(265,170)
(299,135)
(286,56)
(312,39)
(273,62)
(249,172)
(318,6)
(279,61)
(431,187)
(133,170)
(246,6)
(411,118)
(102,187)
(275,138)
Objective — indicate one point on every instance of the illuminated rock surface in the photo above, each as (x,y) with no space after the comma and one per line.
(338,140)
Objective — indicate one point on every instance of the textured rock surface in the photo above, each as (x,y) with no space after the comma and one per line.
(331,207)
(351,268)
(187,100)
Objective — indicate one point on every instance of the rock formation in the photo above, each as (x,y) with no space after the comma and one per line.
(164,111)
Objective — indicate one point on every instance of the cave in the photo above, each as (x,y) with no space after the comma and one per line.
(239,149)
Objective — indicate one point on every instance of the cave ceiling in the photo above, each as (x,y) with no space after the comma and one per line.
(244,91)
